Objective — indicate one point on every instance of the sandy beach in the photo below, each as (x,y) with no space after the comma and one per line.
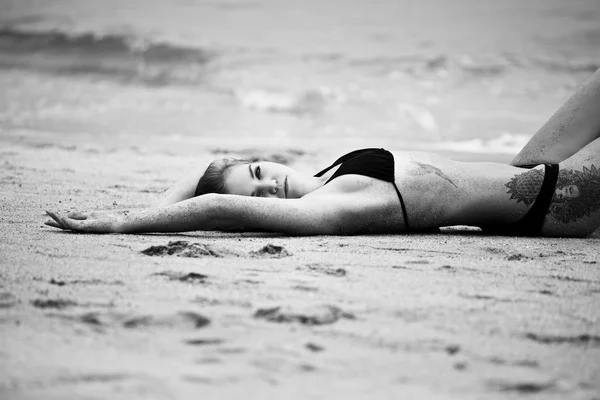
(104,106)
(453,315)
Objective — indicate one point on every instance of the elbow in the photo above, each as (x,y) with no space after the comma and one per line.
(214,213)
(208,204)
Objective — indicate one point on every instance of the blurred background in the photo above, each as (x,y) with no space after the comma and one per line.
(470,78)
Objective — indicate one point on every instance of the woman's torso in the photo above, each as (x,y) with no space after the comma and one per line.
(443,192)
(435,192)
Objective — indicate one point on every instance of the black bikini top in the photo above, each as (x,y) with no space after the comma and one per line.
(372,163)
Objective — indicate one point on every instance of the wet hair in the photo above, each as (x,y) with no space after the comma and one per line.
(213,180)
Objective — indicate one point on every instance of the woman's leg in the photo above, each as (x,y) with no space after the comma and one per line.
(575,206)
(571,128)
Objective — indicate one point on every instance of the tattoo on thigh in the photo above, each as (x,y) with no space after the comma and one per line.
(577,194)
(525,187)
(425,169)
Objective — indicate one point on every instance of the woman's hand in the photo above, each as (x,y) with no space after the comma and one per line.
(95,222)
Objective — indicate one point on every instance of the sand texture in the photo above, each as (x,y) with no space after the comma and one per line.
(104,104)
(455,315)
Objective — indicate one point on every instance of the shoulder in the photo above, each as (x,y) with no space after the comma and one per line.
(356,204)
(354,189)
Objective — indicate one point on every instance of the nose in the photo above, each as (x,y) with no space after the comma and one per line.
(271,187)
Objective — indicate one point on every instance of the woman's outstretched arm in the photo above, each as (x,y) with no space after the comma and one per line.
(306,216)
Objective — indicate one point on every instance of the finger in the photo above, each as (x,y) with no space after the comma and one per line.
(67,223)
(77,215)
(55,217)
(64,222)
(52,224)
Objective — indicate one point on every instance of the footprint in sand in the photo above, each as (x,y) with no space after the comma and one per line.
(207,301)
(522,387)
(327,270)
(7,300)
(315,348)
(418,262)
(178,320)
(189,277)
(58,282)
(519,363)
(567,278)
(203,342)
(584,339)
(58,304)
(315,315)
(305,288)
(182,248)
(447,268)
(92,378)
(271,251)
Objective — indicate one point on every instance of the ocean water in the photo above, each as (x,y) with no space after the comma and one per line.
(473,77)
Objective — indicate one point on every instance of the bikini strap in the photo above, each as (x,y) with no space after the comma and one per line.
(537,213)
(404,213)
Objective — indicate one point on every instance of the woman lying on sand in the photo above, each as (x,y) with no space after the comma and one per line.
(552,189)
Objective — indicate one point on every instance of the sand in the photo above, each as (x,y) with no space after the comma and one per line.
(104,106)
(454,315)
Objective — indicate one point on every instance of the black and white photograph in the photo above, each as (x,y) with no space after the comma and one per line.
(299,199)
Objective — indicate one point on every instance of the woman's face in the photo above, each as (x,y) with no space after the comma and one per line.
(567,192)
(265,179)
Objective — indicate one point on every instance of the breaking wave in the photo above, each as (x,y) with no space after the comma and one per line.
(482,65)
(308,102)
(119,57)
